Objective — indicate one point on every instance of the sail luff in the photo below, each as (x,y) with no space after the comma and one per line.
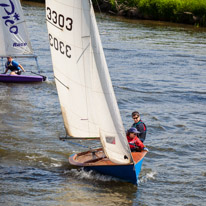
(118,130)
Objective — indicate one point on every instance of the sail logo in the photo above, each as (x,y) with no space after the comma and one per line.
(19,44)
(11,17)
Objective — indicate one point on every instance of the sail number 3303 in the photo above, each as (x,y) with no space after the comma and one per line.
(59,20)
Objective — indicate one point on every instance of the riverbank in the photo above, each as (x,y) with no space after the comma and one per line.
(155,68)
(178,11)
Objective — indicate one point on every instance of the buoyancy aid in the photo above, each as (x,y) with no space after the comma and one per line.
(141,129)
(140,121)
(11,67)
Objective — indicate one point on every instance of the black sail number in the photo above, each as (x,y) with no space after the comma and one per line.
(69,23)
(60,46)
(48,13)
(54,17)
(59,20)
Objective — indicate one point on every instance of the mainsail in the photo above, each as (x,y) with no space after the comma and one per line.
(13,31)
(85,91)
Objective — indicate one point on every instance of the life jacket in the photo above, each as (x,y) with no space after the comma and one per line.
(136,124)
(142,134)
(11,67)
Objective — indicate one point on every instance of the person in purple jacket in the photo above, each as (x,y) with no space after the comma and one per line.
(13,66)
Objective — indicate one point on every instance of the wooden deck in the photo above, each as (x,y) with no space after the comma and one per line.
(98,158)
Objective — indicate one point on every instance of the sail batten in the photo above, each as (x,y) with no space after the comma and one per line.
(89,107)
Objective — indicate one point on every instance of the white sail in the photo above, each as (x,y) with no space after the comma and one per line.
(86,95)
(13,31)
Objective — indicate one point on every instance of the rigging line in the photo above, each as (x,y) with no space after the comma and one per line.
(18,23)
(37,63)
(2,63)
(80,138)
(77,144)
(61,82)
(99,8)
(19,56)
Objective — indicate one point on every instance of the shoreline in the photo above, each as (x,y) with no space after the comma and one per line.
(159,10)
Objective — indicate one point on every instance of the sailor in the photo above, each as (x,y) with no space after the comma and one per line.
(139,125)
(134,142)
(13,66)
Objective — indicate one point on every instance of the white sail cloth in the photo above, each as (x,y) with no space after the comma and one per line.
(86,95)
(13,31)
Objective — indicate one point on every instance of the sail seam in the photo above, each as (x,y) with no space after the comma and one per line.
(83,52)
(18,23)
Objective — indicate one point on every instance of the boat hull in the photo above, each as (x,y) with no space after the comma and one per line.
(127,172)
(7,78)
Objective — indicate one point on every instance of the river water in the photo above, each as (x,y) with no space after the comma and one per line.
(156,68)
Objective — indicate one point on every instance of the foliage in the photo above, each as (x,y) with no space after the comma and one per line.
(169,10)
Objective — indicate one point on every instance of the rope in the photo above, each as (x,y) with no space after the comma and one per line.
(38,68)
(2,63)
(77,144)
(98,7)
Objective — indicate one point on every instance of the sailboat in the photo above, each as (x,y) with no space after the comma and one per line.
(88,103)
(15,40)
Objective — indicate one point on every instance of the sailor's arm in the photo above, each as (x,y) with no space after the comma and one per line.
(21,67)
(6,71)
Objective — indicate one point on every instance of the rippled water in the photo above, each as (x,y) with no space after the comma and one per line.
(156,68)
